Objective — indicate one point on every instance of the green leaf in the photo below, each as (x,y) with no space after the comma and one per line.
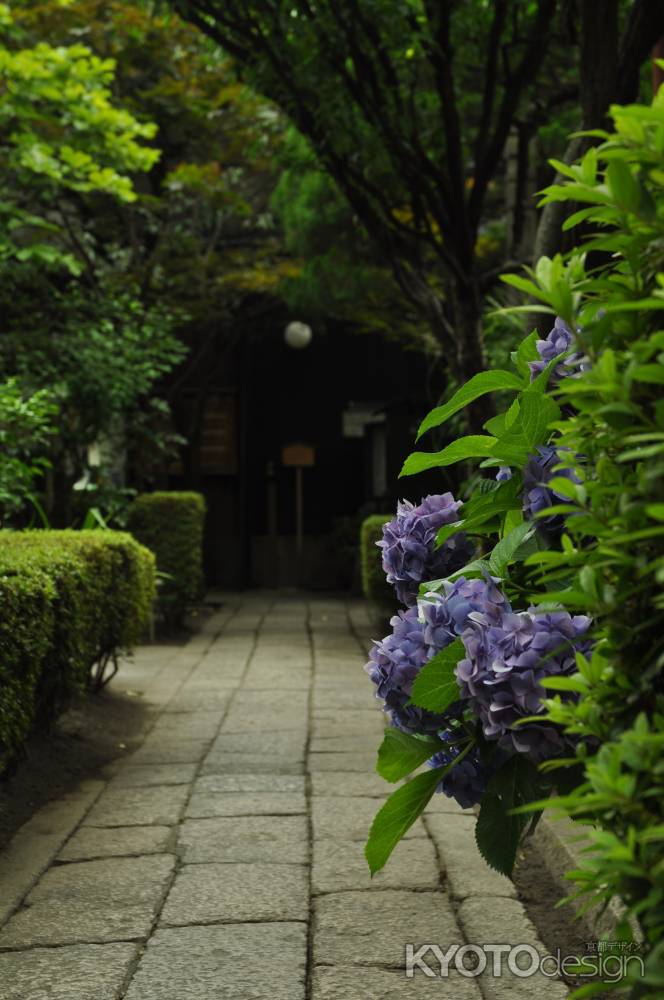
(435,686)
(471,446)
(398,815)
(503,552)
(498,831)
(623,186)
(478,385)
(526,351)
(484,507)
(399,754)
(535,414)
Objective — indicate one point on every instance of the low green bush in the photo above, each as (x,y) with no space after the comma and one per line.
(171,525)
(69,602)
(374,586)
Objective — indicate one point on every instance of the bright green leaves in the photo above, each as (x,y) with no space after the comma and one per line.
(507,548)
(61,129)
(436,686)
(398,815)
(478,385)
(550,283)
(471,446)
(522,431)
(399,754)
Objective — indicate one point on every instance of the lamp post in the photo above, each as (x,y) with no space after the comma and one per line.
(298,336)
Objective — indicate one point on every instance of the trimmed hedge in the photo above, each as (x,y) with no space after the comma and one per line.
(69,602)
(375,587)
(171,525)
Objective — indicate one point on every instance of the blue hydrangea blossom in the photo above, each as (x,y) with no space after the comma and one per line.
(558,342)
(409,554)
(417,635)
(539,470)
(503,668)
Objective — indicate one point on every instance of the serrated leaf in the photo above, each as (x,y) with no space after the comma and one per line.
(398,815)
(503,553)
(483,508)
(436,686)
(471,446)
(526,351)
(478,385)
(536,412)
(400,753)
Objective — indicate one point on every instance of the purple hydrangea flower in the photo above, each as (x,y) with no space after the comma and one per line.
(558,342)
(417,635)
(445,613)
(408,544)
(504,666)
(467,781)
(538,472)
(394,664)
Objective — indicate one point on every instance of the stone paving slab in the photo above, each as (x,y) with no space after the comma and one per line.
(466,871)
(158,804)
(342,867)
(343,983)
(244,804)
(232,893)
(94,901)
(144,775)
(348,743)
(497,921)
(184,725)
(37,843)
(101,842)
(76,972)
(210,784)
(350,819)
(263,961)
(288,743)
(360,762)
(242,763)
(170,753)
(274,839)
(373,928)
(344,783)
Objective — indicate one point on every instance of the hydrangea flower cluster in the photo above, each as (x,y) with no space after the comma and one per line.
(559,341)
(502,672)
(408,544)
(538,472)
(417,635)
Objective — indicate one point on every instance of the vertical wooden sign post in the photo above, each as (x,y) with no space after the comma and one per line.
(299,457)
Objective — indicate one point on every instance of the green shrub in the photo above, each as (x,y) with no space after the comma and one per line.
(70,601)
(171,525)
(375,587)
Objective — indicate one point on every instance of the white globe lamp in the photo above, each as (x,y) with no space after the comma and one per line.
(298,335)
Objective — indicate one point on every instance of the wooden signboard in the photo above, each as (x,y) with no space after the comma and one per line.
(299,455)
(218,436)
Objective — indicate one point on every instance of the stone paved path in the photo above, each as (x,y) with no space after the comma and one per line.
(224,860)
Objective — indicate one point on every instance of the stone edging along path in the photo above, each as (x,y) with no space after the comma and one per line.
(223,859)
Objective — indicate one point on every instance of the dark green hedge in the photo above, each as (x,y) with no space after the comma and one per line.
(374,585)
(69,601)
(171,525)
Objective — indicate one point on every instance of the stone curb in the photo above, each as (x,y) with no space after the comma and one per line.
(560,843)
(38,842)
